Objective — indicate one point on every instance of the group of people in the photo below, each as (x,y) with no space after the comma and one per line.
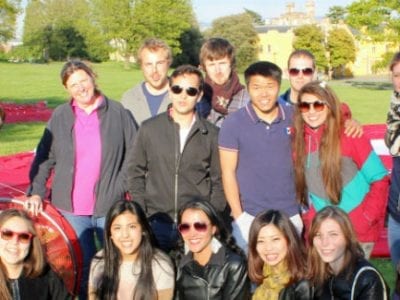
(228,180)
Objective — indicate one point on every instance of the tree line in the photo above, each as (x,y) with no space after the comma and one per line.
(55,30)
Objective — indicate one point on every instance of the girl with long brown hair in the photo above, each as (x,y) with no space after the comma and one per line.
(334,169)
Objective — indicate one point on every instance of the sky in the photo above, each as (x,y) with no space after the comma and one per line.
(208,10)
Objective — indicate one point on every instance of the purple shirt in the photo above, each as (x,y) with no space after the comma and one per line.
(265,168)
(87,160)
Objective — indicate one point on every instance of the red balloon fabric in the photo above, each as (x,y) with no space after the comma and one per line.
(35,112)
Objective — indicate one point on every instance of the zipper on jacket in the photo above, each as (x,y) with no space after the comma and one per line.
(177,162)
(331,288)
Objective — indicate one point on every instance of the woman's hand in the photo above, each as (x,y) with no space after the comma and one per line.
(34,205)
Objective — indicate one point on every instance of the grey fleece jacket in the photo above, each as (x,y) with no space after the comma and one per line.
(56,151)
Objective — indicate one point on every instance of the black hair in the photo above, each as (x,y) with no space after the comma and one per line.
(108,285)
(187,69)
(221,234)
(265,69)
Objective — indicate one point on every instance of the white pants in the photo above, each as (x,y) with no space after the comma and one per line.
(241,228)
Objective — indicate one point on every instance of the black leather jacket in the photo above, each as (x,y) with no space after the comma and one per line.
(369,285)
(302,290)
(223,278)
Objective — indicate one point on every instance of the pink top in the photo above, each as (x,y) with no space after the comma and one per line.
(87,160)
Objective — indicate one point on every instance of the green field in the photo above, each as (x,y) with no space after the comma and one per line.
(26,83)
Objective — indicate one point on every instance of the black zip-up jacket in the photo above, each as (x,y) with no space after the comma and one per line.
(161,179)
(369,285)
(56,151)
(223,278)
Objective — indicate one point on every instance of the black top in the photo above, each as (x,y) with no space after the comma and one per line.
(47,286)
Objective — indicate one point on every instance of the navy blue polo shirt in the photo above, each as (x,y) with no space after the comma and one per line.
(265,168)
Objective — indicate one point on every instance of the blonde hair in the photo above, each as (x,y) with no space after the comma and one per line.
(153,45)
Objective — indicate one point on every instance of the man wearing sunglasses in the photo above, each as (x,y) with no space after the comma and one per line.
(175,158)
(150,97)
(301,70)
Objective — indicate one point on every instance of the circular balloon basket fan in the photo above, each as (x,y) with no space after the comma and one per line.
(59,241)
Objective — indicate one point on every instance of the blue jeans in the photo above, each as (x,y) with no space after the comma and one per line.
(166,234)
(87,229)
(394,244)
(394,240)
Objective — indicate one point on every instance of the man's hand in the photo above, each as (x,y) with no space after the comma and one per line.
(353,128)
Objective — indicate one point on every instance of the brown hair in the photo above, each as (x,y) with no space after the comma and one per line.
(153,45)
(329,148)
(395,60)
(217,48)
(302,53)
(75,65)
(296,253)
(320,271)
(34,262)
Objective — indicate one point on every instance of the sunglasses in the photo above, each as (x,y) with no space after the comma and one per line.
(198,226)
(317,105)
(23,237)
(190,91)
(305,71)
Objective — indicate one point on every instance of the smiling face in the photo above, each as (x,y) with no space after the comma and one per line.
(198,241)
(271,246)
(155,65)
(314,117)
(396,77)
(263,93)
(219,70)
(14,251)
(126,235)
(330,244)
(182,103)
(81,88)
(299,80)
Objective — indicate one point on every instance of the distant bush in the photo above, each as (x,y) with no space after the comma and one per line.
(383,64)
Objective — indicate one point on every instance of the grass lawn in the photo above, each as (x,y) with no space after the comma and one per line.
(22,83)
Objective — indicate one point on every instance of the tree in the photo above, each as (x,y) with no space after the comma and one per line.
(257,18)
(131,22)
(378,19)
(190,41)
(166,19)
(342,50)
(46,20)
(384,63)
(336,14)
(8,15)
(240,32)
(116,20)
(311,38)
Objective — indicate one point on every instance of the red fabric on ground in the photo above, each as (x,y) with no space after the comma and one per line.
(14,174)
(26,112)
